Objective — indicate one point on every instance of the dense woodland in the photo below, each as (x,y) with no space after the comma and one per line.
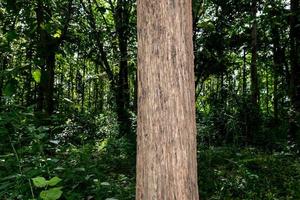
(68,98)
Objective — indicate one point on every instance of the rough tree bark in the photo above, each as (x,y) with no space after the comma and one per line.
(166,130)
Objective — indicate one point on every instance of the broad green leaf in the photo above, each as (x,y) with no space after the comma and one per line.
(36,74)
(39,182)
(54,181)
(51,194)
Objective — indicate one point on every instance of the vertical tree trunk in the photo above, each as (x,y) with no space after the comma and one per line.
(254,75)
(27,83)
(267,86)
(47,48)
(295,54)
(123,94)
(166,160)
(3,64)
(276,68)
(49,87)
(295,70)
(83,88)
(244,73)
(72,83)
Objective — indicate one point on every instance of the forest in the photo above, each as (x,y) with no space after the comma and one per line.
(149,99)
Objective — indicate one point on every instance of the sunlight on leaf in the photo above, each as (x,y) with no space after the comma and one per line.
(39,182)
(36,74)
(51,194)
(57,34)
(54,181)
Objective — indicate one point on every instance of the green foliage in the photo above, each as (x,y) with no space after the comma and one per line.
(36,74)
(48,194)
(10,88)
(39,182)
(53,181)
(51,194)
(229,173)
(42,182)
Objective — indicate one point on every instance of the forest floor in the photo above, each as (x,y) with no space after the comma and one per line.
(103,172)
(67,160)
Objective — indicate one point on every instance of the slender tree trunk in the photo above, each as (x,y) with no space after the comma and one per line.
(83,88)
(27,84)
(3,67)
(49,91)
(295,54)
(254,74)
(244,74)
(276,69)
(96,89)
(47,47)
(166,160)
(123,94)
(60,92)
(295,70)
(72,82)
(41,49)
(267,95)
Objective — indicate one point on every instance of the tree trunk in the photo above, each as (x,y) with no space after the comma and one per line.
(295,54)
(47,48)
(123,94)
(254,75)
(49,91)
(166,130)
(295,71)
(28,78)
(3,64)
(83,88)
(244,73)
(276,69)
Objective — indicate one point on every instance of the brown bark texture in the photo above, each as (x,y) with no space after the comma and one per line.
(166,130)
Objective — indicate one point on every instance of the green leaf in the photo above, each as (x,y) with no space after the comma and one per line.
(54,181)
(51,194)
(57,34)
(36,74)
(39,182)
